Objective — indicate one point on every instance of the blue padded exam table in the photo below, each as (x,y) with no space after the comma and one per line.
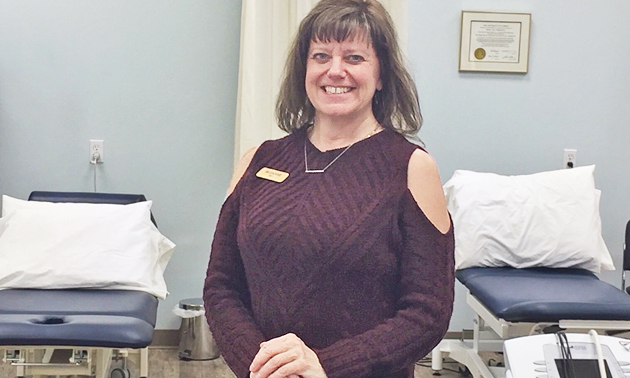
(510,302)
(91,318)
(92,323)
(545,295)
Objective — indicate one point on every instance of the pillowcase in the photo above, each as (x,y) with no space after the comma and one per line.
(547,219)
(45,245)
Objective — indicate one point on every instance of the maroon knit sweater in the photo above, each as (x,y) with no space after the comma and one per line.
(344,259)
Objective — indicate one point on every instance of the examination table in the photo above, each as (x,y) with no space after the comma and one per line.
(91,325)
(528,248)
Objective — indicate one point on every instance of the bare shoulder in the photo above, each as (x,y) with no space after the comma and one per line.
(241,167)
(423,180)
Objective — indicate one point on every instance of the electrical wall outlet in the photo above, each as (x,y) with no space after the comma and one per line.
(570,158)
(96,151)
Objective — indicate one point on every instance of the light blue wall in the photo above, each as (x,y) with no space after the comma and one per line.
(576,95)
(156,79)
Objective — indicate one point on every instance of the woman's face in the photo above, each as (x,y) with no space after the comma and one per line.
(341,78)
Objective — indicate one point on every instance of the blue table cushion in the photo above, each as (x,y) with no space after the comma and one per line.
(545,294)
(77,317)
(101,331)
(136,304)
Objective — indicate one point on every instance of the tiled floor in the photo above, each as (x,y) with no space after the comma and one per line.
(164,363)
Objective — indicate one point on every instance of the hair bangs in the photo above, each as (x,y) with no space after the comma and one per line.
(329,26)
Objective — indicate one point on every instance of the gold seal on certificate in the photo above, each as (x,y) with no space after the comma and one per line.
(480,53)
(494,42)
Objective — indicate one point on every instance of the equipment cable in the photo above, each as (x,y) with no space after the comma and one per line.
(95,160)
(565,353)
(600,355)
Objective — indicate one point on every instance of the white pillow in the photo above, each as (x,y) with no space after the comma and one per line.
(547,219)
(78,245)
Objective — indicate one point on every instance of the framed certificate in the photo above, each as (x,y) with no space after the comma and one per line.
(495,42)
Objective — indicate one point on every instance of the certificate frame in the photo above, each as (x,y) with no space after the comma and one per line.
(494,42)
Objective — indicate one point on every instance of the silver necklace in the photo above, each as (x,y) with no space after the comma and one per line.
(306,170)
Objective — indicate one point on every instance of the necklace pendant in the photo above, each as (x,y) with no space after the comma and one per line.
(314,170)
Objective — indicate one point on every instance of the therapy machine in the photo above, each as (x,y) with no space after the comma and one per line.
(568,355)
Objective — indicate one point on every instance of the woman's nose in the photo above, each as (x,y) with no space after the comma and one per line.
(337,68)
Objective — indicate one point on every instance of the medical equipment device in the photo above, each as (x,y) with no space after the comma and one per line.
(546,356)
(91,326)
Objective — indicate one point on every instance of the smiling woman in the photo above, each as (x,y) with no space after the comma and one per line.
(344,267)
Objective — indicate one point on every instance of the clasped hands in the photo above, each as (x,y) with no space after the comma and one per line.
(286,357)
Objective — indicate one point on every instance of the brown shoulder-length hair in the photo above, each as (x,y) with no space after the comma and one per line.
(396,106)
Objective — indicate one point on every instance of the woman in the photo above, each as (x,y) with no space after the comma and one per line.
(333,254)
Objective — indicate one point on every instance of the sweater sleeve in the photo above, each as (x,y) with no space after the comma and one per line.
(226,297)
(425,305)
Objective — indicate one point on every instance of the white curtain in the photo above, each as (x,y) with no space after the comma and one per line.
(267,30)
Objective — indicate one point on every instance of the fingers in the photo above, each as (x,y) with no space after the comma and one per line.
(275,353)
(282,364)
(284,357)
(282,371)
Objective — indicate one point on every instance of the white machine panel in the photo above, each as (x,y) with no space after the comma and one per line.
(540,356)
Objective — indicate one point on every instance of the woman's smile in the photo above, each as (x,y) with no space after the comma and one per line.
(336,90)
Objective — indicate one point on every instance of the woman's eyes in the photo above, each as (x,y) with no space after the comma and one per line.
(352,58)
(321,57)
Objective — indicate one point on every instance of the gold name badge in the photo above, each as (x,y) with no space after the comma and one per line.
(272,174)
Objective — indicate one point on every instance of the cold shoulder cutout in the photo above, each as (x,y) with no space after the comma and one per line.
(423,180)
(240,169)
